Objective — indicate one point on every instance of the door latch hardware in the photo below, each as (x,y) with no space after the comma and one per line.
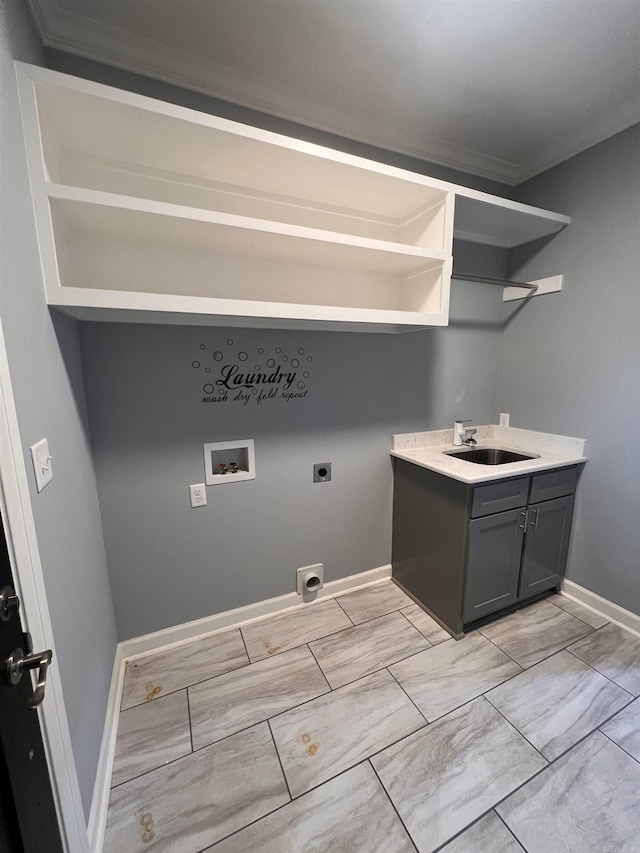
(18,662)
(9,603)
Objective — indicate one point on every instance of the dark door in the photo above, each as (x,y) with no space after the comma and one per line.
(546,545)
(28,821)
(493,563)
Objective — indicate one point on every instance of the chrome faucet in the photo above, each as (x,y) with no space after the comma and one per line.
(463,435)
(468,437)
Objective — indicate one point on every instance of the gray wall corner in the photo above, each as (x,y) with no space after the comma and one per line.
(570,361)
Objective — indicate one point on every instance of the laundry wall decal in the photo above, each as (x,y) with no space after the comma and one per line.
(246,376)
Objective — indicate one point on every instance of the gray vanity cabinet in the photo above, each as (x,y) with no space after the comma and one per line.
(465,551)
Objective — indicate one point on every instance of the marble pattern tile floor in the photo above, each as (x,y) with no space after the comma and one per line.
(241,698)
(577,610)
(425,624)
(157,674)
(365,648)
(320,739)
(448,774)
(376,600)
(151,735)
(615,653)
(624,729)
(357,725)
(487,835)
(586,802)
(452,673)
(555,703)
(535,632)
(276,634)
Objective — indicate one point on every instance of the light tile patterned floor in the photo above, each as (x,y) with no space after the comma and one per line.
(357,725)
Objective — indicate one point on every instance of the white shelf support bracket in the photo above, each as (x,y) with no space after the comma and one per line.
(553,284)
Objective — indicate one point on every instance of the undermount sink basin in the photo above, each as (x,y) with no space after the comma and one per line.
(489,455)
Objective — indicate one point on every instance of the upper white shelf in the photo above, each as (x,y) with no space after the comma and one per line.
(484,218)
(150,212)
(101,138)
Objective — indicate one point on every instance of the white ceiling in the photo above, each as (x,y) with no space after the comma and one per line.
(499,88)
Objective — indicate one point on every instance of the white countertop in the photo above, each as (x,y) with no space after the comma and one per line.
(428,450)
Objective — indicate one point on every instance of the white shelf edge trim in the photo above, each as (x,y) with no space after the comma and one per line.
(132,301)
(553,284)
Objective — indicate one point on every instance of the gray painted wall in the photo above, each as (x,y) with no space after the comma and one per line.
(170,563)
(571,362)
(44,362)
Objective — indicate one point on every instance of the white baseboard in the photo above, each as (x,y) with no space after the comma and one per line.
(102,786)
(190,631)
(187,633)
(602,606)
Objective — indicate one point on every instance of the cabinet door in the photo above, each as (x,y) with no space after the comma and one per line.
(546,545)
(493,563)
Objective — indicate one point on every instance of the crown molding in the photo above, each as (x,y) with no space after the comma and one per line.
(625,116)
(141,56)
(64,31)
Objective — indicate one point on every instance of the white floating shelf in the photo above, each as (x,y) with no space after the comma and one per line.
(109,243)
(101,137)
(150,212)
(484,218)
(127,307)
(93,215)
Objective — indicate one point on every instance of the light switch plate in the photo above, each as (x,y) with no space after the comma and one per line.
(42,467)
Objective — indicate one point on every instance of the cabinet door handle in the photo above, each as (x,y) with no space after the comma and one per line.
(534,523)
(524,515)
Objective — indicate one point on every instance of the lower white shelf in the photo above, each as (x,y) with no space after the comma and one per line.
(129,307)
(108,260)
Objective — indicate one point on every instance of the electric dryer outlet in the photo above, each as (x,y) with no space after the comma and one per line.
(322,472)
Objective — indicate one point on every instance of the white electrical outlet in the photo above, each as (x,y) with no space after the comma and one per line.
(198,494)
(504,419)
